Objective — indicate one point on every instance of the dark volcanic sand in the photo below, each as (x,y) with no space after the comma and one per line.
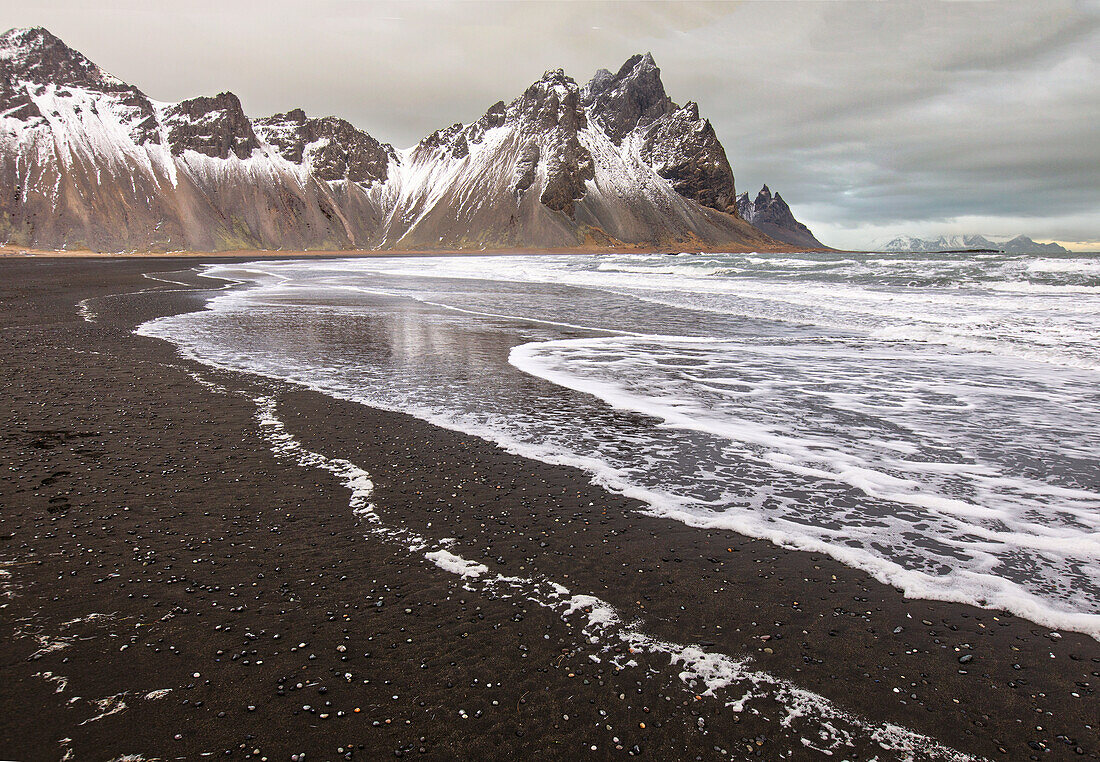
(146,527)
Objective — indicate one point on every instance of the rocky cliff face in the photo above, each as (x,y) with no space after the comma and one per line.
(673,141)
(215,127)
(771,214)
(332,148)
(87,160)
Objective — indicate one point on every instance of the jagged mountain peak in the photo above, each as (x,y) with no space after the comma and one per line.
(632,105)
(40,75)
(553,84)
(552,101)
(26,43)
(332,148)
(634,96)
(212,125)
(556,77)
(639,66)
(770,213)
(34,54)
(27,38)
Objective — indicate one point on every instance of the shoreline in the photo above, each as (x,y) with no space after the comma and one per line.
(1031,609)
(249,254)
(130,466)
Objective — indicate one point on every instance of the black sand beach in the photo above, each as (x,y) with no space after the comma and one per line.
(168,583)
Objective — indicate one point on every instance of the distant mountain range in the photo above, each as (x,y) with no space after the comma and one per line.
(87,160)
(1021,244)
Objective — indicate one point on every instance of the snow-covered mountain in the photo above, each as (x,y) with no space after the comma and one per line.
(1021,244)
(87,160)
(772,215)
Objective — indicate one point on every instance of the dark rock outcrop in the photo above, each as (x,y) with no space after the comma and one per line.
(772,215)
(15,101)
(675,141)
(214,126)
(631,98)
(683,149)
(552,107)
(333,148)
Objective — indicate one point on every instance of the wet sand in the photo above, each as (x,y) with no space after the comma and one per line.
(168,582)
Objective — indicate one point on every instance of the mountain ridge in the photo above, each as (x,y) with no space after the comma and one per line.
(1021,244)
(90,161)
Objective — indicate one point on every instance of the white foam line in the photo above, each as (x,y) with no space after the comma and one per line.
(995,592)
(89,315)
(283,444)
(204,382)
(604,627)
(7,583)
(448,561)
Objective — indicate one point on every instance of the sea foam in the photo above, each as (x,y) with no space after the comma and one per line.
(907,415)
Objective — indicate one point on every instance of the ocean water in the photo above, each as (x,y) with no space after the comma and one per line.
(932,419)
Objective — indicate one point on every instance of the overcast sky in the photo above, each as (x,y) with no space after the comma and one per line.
(872,118)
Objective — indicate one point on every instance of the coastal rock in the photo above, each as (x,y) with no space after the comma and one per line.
(771,214)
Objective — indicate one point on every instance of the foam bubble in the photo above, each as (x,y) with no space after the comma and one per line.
(448,561)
